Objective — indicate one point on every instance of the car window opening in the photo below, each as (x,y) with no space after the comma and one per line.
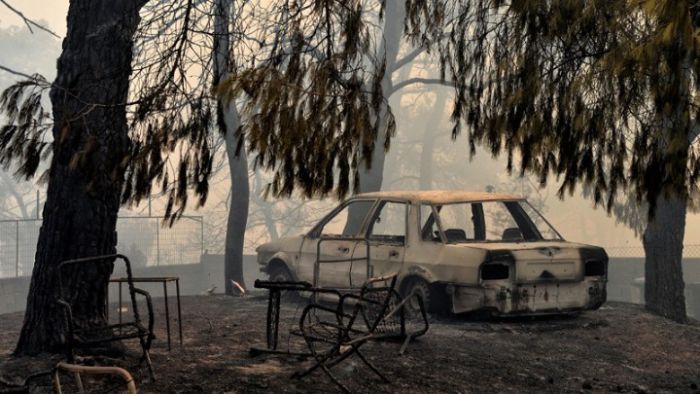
(490,221)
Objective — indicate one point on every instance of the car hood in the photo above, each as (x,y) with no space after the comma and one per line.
(284,244)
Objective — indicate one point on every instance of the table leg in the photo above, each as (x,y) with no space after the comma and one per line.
(120,302)
(167,311)
(268,322)
(107,302)
(278,295)
(179,310)
(273,315)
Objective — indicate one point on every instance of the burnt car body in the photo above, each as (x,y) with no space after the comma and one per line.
(462,251)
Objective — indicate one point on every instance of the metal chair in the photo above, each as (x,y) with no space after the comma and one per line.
(89,337)
(376,312)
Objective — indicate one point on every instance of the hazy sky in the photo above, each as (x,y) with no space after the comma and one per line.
(52,12)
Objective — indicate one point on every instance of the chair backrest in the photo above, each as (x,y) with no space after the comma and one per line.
(110,258)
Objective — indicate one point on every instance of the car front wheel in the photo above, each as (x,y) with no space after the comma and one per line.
(280,273)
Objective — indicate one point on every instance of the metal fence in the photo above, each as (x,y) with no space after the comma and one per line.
(689,251)
(143,239)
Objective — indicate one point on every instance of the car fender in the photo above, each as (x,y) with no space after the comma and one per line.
(283,258)
(418,272)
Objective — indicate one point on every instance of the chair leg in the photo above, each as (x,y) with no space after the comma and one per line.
(147,358)
(342,357)
(405,343)
(319,363)
(79,383)
(371,366)
(334,379)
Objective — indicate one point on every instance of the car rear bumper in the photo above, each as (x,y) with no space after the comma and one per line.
(508,299)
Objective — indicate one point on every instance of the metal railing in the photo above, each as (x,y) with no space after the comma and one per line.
(689,251)
(143,238)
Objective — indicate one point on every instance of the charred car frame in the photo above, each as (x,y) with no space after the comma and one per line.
(462,251)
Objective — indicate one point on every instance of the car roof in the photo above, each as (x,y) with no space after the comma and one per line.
(441,196)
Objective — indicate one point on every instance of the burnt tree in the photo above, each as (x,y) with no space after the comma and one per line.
(90,144)
(229,123)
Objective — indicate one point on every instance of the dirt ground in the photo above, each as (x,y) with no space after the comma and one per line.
(618,348)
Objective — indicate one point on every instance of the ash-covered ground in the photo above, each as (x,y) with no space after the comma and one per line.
(619,348)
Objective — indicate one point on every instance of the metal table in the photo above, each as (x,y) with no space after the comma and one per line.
(164,280)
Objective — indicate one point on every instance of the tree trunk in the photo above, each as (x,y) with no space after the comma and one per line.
(229,123)
(371,178)
(425,177)
(86,174)
(663,247)
(270,223)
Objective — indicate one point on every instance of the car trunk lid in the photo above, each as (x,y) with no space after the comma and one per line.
(540,261)
(547,264)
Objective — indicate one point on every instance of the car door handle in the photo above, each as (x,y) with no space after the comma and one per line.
(394,253)
(343,249)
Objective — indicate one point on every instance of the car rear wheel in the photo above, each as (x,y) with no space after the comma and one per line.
(421,288)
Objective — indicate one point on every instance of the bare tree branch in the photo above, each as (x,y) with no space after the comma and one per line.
(408,58)
(28,21)
(428,81)
(21,74)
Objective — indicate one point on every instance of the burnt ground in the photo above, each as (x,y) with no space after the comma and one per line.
(619,348)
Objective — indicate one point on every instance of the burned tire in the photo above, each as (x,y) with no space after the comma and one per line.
(422,289)
(435,300)
(280,273)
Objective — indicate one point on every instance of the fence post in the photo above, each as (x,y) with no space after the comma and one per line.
(157,242)
(201,237)
(17,248)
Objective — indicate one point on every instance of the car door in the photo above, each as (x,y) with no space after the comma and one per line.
(327,251)
(387,237)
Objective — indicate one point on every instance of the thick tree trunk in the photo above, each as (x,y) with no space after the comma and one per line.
(663,246)
(86,175)
(371,177)
(238,212)
(229,123)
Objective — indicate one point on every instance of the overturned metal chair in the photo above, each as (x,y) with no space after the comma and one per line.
(89,337)
(77,370)
(333,333)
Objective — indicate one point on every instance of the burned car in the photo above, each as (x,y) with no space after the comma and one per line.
(461,251)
